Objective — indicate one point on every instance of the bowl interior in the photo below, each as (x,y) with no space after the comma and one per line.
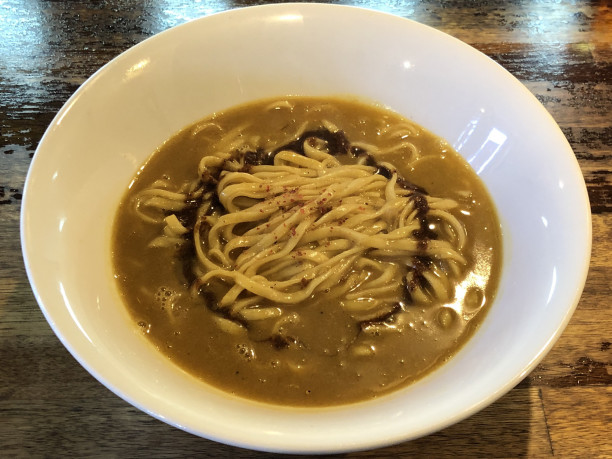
(125,111)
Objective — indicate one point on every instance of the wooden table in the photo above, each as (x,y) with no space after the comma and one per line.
(50,406)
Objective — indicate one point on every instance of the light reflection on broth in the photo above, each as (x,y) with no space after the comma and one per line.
(352,261)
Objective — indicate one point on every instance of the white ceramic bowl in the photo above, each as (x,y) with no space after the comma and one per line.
(122,113)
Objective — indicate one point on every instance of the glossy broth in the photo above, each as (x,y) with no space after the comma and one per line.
(327,370)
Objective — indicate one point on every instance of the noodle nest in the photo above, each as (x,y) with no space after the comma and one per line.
(272,226)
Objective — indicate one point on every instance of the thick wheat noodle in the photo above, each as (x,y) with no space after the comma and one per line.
(266,289)
(259,260)
(311,273)
(306,224)
(454,223)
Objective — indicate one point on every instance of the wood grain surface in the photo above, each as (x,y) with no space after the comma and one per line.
(50,406)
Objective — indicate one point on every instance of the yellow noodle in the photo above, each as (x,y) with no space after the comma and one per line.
(307,224)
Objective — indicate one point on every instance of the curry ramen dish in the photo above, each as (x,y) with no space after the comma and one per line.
(307,251)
